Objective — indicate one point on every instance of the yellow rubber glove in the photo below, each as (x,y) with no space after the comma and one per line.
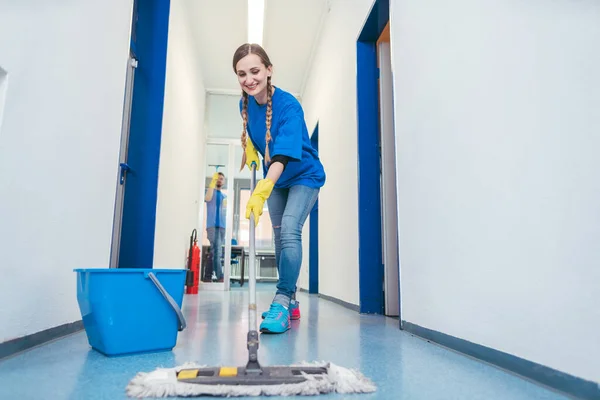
(251,155)
(261,193)
(215,178)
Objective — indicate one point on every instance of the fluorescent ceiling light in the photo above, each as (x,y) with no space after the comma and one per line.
(256,14)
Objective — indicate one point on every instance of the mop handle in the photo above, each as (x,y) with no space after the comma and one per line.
(252,325)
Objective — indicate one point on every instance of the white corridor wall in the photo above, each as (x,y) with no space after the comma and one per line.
(498,130)
(182,145)
(330,99)
(59,148)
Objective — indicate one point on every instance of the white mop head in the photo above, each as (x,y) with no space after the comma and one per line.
(162,382)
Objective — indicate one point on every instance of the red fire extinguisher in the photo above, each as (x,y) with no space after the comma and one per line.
(193,266)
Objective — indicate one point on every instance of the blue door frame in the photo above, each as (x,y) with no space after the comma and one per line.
(370,262)
(313,260)
(149,39)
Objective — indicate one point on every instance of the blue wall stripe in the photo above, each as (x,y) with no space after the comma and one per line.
(313,262)
(552,378)
(149,37)
(369,196)
(371,269)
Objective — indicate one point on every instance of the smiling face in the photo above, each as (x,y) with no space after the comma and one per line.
(253,68)
(252,75)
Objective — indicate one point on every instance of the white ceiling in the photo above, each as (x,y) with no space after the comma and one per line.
(291,30)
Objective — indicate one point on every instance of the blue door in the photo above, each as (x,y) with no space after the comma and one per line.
(133,245)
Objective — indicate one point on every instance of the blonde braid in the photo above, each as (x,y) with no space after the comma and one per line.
(268,123)
(245,120)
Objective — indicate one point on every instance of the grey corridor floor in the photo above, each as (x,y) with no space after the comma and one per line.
(401,365)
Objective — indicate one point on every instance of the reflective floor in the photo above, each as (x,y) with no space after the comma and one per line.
(401,365)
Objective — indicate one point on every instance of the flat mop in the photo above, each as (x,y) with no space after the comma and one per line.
(253,379)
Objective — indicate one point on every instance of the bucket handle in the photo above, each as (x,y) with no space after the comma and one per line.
(172,302)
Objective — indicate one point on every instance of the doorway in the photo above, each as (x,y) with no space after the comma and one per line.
(228,257)
(389,199)
(379,287)
(217,215)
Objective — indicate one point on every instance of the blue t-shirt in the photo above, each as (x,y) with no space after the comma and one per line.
(289,137)
(214,218)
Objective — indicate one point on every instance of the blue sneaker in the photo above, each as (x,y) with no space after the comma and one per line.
(294,310)
(277,320)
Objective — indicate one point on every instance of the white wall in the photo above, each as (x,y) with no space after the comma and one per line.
(59,146)
(330,99)
(498,129)
(182,145)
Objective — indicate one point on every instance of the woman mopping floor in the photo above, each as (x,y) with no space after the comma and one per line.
(273,120)
(292,180)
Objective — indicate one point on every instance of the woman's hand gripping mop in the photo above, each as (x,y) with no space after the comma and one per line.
(252,379)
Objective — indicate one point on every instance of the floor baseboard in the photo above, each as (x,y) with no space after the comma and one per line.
(546,376)
(335,300)
(18,345)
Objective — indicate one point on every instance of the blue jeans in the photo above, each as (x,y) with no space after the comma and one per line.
(289,209)
(216,237)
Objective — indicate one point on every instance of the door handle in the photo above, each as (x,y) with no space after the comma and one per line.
(124,169)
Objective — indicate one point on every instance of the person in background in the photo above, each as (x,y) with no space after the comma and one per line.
(216,205)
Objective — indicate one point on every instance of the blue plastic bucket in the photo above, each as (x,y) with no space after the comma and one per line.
(131,310)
